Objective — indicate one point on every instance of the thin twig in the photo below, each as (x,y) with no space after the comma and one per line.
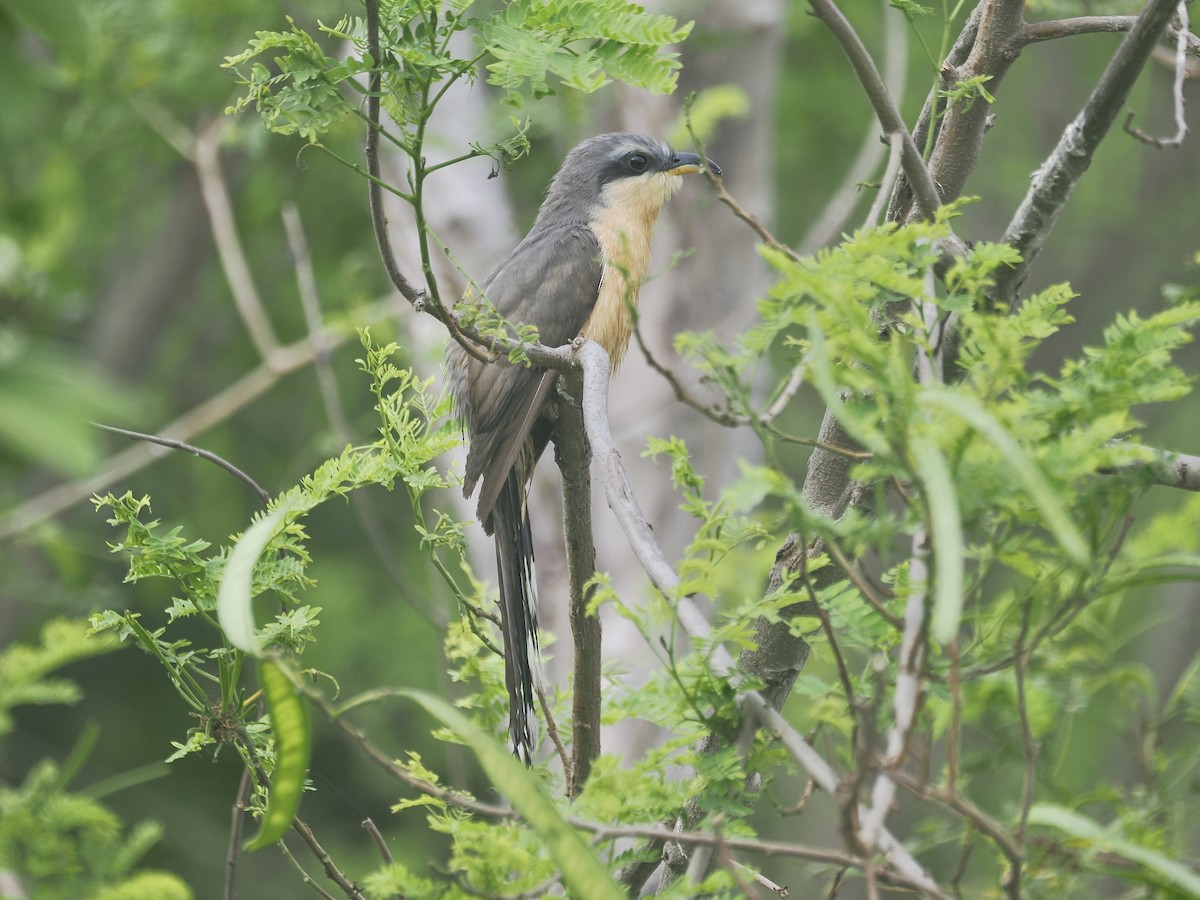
(955,802)
(418,298)
(859,581)
(195,451)
(236,825)
(1029,749)
(711,412)
(555,739)
(742,845)
(305,878)
(1181,71)
(310,304)
(207,159)
(368,825)
(349,888)
(387,762)
(954,735)
(890,174)
(361,501)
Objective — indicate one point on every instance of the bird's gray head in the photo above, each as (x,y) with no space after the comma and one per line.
(616,168)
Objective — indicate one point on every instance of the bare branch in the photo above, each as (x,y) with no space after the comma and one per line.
(918,173)
(572,455)
(930,119)
(195,451)
(1177,470)
(207,159)
(237,820)
(368,825)
(1036,32)
(1181,71)
(1055,181)
(832,219)
(964,123)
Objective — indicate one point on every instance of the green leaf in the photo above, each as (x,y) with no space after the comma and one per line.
(945,526)
(289,722)
(1102,839)
(1026,470)
(235,595)
(582,872)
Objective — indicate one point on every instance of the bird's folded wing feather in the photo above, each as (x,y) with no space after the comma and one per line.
(551,281)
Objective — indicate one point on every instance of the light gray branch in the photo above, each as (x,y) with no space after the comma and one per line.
(1181,72)
(206,156)
(596,367)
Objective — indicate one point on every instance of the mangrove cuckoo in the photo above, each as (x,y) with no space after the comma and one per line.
(576,274)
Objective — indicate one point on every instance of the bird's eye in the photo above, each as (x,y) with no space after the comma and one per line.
(637,162)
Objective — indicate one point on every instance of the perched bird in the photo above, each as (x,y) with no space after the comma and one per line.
(575,274)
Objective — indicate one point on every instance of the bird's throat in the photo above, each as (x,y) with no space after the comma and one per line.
(623,225)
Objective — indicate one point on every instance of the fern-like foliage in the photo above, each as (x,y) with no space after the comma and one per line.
(527,47)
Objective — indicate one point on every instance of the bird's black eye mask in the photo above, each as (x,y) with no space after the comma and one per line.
(630,164)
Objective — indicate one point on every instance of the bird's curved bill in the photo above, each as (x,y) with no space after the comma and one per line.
(686,163)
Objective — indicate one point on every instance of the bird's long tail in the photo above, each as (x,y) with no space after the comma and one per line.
(518,612)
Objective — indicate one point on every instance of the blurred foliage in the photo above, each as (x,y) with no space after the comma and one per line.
(103,99)
(56,842)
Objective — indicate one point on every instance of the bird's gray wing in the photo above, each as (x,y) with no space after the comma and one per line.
(550,281)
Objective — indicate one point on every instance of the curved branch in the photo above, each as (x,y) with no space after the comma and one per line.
(195,451)
(418,298)
(919,175)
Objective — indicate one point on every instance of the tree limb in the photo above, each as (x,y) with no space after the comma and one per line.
(573,455)
(919,176)
(965,122)
(206,156)
(1055,180)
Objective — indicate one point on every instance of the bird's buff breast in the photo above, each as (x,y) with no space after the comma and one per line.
(622,226)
